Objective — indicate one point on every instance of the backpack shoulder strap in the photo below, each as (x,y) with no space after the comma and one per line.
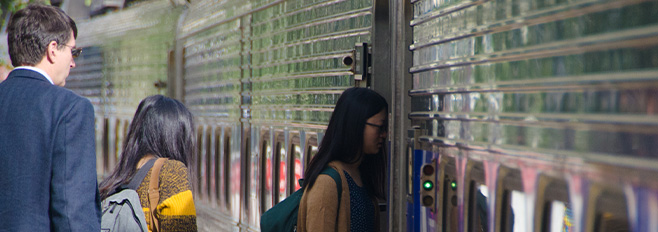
(339,182)
(154,192)
(141,173)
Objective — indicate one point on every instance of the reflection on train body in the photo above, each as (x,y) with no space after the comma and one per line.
(539,115)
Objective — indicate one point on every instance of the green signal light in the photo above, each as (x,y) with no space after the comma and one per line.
(427,185)
(453,185)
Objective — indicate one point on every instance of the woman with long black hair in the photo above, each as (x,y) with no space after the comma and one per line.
(161,128)
(353,145)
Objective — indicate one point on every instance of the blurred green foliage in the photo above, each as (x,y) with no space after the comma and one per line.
(9,6)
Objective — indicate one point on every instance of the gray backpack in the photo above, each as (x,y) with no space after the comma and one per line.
(122,210)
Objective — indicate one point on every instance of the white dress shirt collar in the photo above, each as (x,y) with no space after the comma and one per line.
(36,70)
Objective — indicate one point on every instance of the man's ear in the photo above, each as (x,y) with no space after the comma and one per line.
(50,51)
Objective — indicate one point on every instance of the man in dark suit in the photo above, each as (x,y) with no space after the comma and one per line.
(47,145)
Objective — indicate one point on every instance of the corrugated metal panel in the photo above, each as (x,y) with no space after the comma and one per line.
(86,79)
(213,43)
(213,59)
(540,86)
(268,66)
(134,47)
(579,68)
(296,58)
(202,15)
(288,53)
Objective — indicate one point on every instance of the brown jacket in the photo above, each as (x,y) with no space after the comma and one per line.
(318,209)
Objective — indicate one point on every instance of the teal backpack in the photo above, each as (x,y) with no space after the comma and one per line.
(283,216)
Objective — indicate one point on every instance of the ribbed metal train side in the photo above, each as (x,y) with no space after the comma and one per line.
(212,40)
(298,72)
(125,58)
(539,114)
(263,77)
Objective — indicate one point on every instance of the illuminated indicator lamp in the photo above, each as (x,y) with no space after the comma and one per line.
(453,185)
(427,185)
(428,201)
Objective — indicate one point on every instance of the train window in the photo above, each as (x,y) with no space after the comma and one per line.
(126,126)
(105,147)
(477,193)
(227,169)
(218,165)
(266,176)
(123,127)
(478,209)
(311,150)
(295,167)
(515,218)
(450,209)
(561,217)
(111,143)
(447,191)
(255,180)
(611,212)
(208,164)
(120,135)
(251,181)
(117,142)
(124,134)
(556,214)
(280,172)
(199,160)
(512,201)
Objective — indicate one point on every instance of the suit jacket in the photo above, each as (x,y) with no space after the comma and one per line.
(47,157)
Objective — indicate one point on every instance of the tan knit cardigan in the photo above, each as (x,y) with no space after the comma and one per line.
(175,210)
(318,208)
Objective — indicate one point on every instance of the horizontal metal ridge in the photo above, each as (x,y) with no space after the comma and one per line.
(640,37)
(184,35)
(539,17)
(525,153)
(317,38)
(336,54)
(292,76)
(445,11)
(227,44)
(632,79)
(297,92)
(289,123)
(554,120)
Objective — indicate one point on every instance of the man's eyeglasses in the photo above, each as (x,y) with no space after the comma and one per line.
(75,52)
(382,128)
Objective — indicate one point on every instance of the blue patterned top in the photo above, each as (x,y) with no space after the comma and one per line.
(362,210)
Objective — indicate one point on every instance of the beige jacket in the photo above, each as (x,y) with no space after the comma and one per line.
(318,208)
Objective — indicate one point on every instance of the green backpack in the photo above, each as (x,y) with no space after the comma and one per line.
(283,216)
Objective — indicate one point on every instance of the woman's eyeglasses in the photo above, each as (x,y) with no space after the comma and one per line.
(75,52)
(382,128)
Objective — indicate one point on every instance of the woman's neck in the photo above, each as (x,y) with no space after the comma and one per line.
(144,159)
(353,168)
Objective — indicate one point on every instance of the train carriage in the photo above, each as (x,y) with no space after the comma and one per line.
(506,115)
(541,106)
(272,71)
